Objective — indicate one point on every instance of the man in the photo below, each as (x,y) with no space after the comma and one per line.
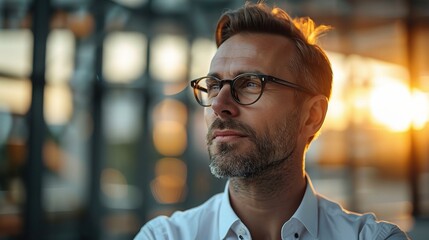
(265,99)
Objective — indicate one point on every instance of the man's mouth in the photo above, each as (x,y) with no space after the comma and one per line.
(226,135)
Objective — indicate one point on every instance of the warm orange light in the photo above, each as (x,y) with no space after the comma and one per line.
(337,118)
(398,108)
(169,184)
(81,23)
(174,88)
(169,138)
(58,105)
(420,109)
(53,156)
(114,183)
(170,110)
(390,105)
(169,131)
(15,95)
(370,91)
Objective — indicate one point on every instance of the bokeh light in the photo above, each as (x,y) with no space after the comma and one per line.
(169,58)
(58,105)
(169,185)
(124,57)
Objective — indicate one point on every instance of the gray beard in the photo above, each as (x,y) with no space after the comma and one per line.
(268,152)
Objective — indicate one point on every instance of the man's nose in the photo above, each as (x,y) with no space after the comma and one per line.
(223,104)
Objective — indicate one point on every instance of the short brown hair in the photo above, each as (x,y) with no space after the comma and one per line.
(311,67)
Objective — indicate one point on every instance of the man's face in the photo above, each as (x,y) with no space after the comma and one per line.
(246,141)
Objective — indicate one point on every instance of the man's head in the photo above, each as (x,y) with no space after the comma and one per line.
(310,65)
(277,99)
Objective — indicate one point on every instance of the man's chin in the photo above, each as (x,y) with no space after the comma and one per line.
(217,172)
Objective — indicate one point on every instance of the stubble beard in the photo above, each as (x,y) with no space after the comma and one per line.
(265,153)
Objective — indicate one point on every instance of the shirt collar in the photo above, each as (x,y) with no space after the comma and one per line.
(227,215)
(307,212)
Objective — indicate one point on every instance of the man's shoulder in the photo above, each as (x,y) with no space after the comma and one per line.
(365,225)
(182,224)
(207,209)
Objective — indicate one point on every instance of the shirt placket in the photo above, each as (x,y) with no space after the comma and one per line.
(243,233)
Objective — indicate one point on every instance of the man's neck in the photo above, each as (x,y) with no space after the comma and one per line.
(265,203)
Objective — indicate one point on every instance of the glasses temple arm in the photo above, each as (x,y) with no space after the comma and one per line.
(195,86)
(292,85)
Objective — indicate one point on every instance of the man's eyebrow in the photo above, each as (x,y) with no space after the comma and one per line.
(213,74)
(217,75)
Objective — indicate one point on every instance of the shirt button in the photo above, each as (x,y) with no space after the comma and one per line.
(241,233)
(296,235)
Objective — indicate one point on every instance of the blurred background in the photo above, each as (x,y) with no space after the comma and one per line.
(100,133)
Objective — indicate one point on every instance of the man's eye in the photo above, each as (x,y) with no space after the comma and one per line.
(252,84)
(213,86)
(248,83)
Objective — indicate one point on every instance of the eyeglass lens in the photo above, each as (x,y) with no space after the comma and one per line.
(245,89)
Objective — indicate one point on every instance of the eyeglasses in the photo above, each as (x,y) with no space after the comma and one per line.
(246,88)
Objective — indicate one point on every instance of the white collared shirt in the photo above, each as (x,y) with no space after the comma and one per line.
(315,218)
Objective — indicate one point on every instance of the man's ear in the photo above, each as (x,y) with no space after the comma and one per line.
(314,114)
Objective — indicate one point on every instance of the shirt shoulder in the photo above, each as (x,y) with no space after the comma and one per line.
(184,224)
(336,221)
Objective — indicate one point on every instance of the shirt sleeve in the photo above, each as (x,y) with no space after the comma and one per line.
(393,233)
(382,231)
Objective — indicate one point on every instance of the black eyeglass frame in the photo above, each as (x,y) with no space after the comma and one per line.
(264,79)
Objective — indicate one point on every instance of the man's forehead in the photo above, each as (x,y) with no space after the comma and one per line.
(251,52)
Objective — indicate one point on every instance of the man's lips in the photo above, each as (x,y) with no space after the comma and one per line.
(227,134)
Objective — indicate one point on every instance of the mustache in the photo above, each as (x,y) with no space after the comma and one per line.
(229,124)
